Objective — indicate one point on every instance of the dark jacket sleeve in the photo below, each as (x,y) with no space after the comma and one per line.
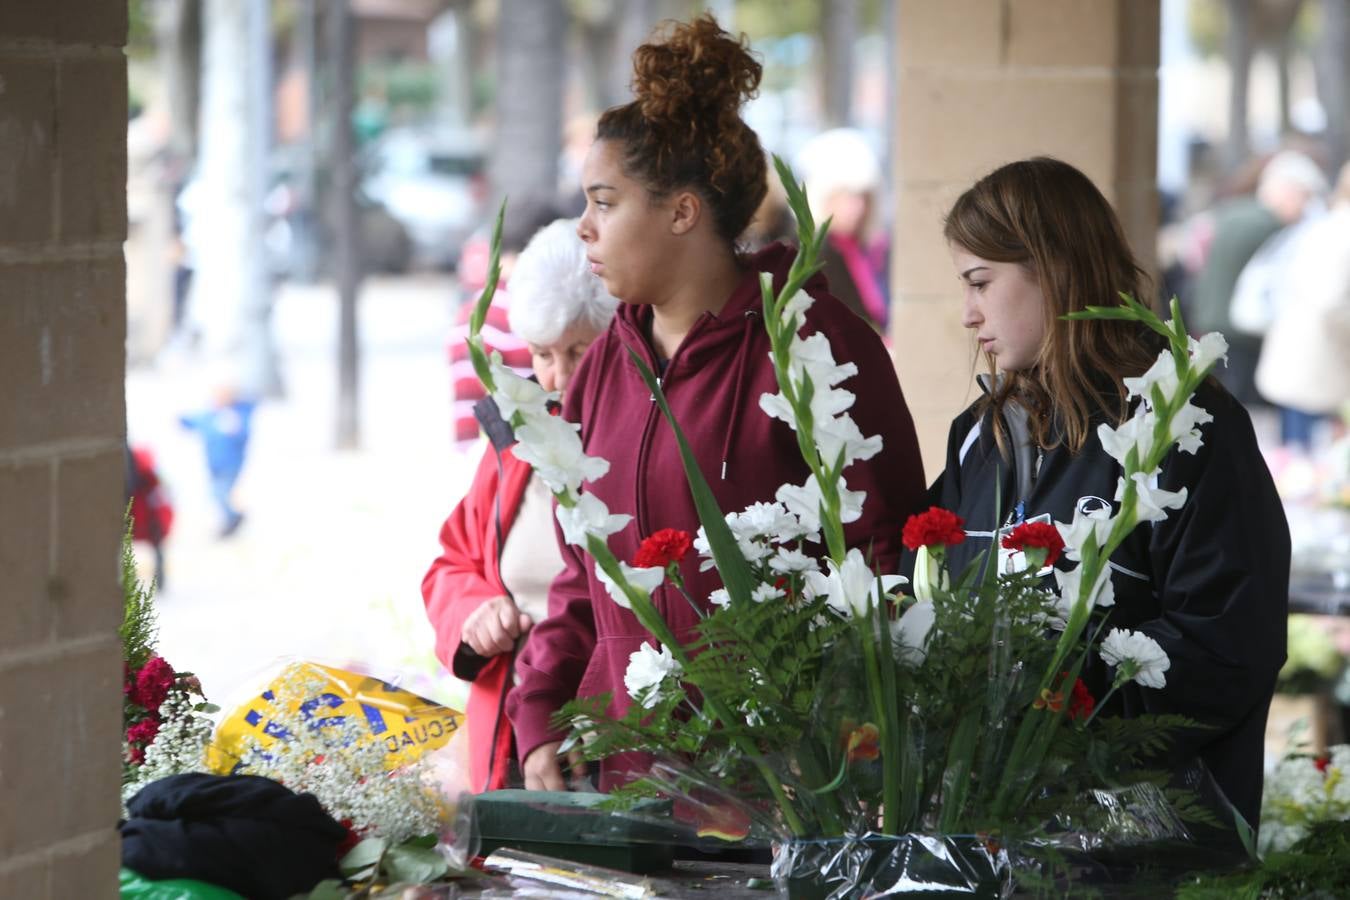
(1220,568)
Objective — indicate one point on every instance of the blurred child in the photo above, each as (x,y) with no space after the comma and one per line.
(224,428)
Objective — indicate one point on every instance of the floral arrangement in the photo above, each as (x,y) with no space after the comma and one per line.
(817,700)
(164,712)
(1302,791)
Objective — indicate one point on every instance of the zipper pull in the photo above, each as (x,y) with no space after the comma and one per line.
(652,398)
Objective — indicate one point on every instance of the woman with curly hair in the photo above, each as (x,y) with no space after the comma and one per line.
(671,182)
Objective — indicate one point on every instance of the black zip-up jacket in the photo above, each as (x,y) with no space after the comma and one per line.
(1210,583)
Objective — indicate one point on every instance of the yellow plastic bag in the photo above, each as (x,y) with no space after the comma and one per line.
(409,725)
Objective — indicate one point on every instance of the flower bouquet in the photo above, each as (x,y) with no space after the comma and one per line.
(877,737)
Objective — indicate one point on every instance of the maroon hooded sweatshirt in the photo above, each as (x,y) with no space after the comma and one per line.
(713,384)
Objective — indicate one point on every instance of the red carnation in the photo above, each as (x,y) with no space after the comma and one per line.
(152,683)
(139,736)
(1036,534)
(1082,702)
(663,548)
(937,526)
(1322,762)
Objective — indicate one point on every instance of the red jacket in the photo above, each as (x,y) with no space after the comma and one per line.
(461,578)
(713,384)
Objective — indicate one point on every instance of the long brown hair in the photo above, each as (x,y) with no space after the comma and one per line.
(684,129)
(1049,217)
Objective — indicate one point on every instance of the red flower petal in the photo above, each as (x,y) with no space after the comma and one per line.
(937,526)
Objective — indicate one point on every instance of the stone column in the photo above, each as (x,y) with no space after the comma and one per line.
(984,82)
(63,129)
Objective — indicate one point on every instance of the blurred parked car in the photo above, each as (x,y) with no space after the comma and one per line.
(433,182)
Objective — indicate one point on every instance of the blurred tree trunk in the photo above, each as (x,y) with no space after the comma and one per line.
(231,293)
(1238,51)
(1333,79)
(178,38)
(839,32)
(530,52)
(346,250)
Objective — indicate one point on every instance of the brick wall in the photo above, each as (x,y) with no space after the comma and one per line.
(62,420)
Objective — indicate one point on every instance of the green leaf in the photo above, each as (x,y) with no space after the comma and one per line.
(409,862)
(365,854)
(731,565)
(328,889)
(480,308)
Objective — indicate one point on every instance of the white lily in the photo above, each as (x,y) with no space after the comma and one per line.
(1184,428)
(647,670)
(804,502)
(853,588)
(841,434)
(1163,374)
(645,580)
(913,630)
(1070,585)
(1135,433)
(588,516)
(928,575)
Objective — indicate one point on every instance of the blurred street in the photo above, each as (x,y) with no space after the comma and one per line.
(329,560)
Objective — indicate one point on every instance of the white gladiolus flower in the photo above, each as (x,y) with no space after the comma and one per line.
(516,394)
(1099,522)
(720,597)
(789,561)
(797,305)
(1163,374)
(766,592)
(588,516)
(645,580)
(647,669)
(1135,432)
(912,631)
(813,357)
(804,502)
(842,434)
(1070,583)
(851,589)
(552,446)
(1152,502)
(1184,428)
(1136,656)
(1208,350)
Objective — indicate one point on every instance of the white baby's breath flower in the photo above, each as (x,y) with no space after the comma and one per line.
(647,669)
(552,446)
(588,516)
(1136,656)
(645,580)
(853,588)
(1151,502)
(515,394)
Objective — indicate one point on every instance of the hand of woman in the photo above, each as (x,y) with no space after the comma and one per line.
(543,770)
(493,627)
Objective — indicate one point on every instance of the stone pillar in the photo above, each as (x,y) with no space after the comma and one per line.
(984,82)
(63,120)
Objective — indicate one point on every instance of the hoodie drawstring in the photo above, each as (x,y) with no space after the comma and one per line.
(750,316)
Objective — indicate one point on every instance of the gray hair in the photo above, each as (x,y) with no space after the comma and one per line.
(552,287)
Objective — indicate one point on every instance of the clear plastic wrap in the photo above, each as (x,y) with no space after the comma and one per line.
(877,865)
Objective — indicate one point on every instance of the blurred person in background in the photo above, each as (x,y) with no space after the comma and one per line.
(523,220)
(499,553)
(843,180)
(1289,182)
(1305,360)
(224,426)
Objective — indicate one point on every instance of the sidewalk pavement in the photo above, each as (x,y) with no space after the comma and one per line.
(329,560)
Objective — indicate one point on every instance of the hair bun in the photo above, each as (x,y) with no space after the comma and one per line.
(698,74)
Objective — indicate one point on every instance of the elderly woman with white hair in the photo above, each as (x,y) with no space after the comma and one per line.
(499,551)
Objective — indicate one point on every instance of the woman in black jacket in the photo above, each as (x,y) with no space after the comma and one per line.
(1030,242)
